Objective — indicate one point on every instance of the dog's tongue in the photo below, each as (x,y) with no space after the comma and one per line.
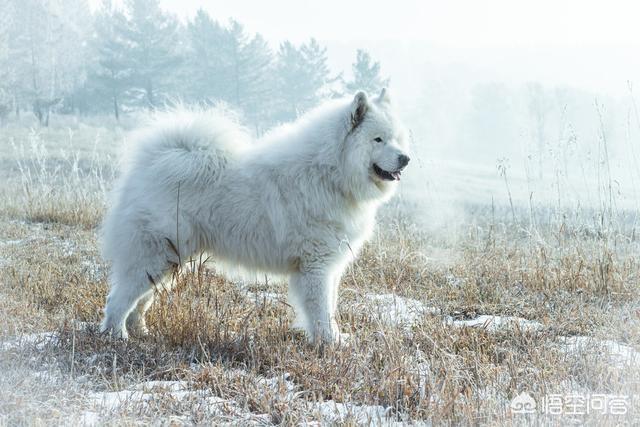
(396,175)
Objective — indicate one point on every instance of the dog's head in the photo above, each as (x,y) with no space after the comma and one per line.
(375,146)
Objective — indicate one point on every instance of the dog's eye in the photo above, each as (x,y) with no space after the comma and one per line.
(378,139)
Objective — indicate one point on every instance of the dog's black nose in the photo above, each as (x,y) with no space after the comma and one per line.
(403,160)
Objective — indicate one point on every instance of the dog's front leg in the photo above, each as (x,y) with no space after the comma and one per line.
(312,297)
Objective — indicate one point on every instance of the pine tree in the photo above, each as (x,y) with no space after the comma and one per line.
(46,52)
(6,72)
(256,82)
(226,64)
(366,75)
(249,75)
(72,50)
(29,56)
(208,60)
(110,78)
(315,57)
(237,40)
(303,74)
(153,42)
(18,65)
(291,71)
(538,107)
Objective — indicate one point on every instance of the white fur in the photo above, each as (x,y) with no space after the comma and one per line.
(299,202)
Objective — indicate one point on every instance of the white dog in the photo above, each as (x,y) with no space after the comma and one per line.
(300,202)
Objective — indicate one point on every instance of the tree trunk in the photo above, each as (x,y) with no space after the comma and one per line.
(116,111)
(16,104)
(37,110)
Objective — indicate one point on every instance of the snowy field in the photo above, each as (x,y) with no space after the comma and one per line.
(465,308)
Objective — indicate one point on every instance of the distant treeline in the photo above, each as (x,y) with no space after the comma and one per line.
(56,56)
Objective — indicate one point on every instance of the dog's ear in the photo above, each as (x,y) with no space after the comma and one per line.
(359,108)
(384,97)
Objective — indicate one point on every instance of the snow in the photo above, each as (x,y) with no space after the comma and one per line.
(39,340)
(4,261)
(170,386)
(619,355)
(10,242)
(454,281)
(143,394)
(333,412)
(330,411)
(114,399)
(495,323)
(93,270)
(394,310)
(89,418)
(424,373)
(260,296)
(280,383)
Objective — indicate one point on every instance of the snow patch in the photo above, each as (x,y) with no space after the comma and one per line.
(454,281)
(394,310)
(495,323)
(38,340)
(89,418)
(166,386)
(619,355)
(260,296)
(143,393)
(280,383)
(334,412)
(10,242)
(95,271)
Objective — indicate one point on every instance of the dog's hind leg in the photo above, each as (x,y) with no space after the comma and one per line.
(133,280)
(122,299)
(136,323)
(126,291)
(296,301)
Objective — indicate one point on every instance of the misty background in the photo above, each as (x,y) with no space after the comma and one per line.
(509,104)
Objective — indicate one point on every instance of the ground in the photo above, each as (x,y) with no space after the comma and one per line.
(501,315)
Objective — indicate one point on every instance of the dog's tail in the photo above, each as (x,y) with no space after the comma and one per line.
(187,146)
(179,154)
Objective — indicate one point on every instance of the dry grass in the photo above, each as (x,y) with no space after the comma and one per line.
(233,347)
(54,175)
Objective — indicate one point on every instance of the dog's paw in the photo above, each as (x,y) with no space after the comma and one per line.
(114,333)
(331,338)
(137,329)
(298,324)
(343,339)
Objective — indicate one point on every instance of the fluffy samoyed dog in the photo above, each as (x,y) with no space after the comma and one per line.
(300,202)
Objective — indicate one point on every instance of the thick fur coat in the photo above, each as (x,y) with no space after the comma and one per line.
(299,202)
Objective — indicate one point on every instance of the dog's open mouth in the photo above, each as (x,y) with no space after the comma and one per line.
(386,175)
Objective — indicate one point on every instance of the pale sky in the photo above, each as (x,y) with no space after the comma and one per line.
(461,23)
(590,44)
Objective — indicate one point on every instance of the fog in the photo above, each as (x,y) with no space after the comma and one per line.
(507,102)
(503,274)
